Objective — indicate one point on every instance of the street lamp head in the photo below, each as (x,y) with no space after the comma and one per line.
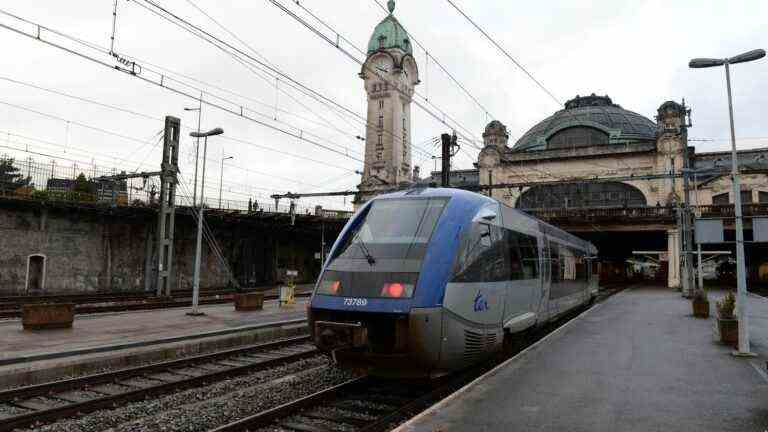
(212,132)
(191,109)
(699,63)
(228,158)
(747,56)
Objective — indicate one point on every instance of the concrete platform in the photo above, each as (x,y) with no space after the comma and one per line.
(638,362)
(129,338)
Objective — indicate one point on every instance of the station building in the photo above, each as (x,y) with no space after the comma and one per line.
(594,168)
(563,170)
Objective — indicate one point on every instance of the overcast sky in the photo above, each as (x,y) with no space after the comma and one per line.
(634,51)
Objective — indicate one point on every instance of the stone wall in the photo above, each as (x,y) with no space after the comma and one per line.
(88,249)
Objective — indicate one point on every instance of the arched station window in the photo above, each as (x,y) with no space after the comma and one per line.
(582,195)
(577,136)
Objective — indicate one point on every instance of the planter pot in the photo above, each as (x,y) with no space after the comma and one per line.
(249,302)
(700,308)
(728,330)
(44,316)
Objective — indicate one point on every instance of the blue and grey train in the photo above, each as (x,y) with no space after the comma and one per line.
(427,281)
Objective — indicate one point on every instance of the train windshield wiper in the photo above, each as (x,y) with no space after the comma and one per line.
(368,257)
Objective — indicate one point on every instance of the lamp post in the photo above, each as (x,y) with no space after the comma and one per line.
(198,250)
(221,176)
(199,110)
(741,273)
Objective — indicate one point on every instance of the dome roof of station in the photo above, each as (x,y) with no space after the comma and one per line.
(595,113)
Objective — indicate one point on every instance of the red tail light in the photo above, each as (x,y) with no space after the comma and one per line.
(335,287)
(394,289)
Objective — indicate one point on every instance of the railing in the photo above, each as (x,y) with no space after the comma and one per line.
(727,211)
(30,180)
(604,213)
(667,213)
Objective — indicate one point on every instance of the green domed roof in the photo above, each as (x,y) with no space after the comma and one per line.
(596,112)
(390,34)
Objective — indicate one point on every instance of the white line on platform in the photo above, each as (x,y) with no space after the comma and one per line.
(519,356)
(761,372)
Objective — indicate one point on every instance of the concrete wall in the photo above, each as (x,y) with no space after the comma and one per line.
(97,249)
(83,252)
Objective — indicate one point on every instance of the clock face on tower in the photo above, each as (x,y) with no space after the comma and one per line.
(381,65)
(409,67)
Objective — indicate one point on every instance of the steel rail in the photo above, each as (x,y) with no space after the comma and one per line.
(264,418)
(14,397)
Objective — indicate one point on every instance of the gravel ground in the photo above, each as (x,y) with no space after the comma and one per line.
(321,424)
(204,408)
(10,410)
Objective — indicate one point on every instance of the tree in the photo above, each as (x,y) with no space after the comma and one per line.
(10,175)
(81,184)
(84,190)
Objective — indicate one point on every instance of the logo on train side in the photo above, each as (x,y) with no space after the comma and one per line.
(481,304)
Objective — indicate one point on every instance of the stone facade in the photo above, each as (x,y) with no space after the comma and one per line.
(88,249)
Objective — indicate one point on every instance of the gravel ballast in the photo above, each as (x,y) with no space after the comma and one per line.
(204,408)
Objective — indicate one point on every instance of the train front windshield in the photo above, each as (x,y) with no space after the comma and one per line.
(383,257)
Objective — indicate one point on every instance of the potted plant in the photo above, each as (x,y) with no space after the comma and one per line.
(727,324)
(700,304)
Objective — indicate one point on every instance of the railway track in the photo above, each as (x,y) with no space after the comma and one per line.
(14,311)
(366,404)
(102,297)
(49,402)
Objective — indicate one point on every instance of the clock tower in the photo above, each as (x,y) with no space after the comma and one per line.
(390,74)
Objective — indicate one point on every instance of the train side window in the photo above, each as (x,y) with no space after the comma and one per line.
(523,255)
(554,264)
(482,257)
(529,252)
(515,260)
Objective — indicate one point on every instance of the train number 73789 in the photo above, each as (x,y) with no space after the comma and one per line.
(355,302)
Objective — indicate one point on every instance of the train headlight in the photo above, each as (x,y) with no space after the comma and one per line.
(329,287)
(397,290)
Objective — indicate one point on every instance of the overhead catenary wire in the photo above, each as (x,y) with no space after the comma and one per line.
(223,45)
(325,121)
(507,54)
(130,72)
(161,83)
(374,72)
(253,50)
(396,87)
(443,68)
(241,56)
(154,143)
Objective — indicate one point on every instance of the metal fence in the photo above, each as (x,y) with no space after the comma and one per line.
(49,181)
(647,213)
